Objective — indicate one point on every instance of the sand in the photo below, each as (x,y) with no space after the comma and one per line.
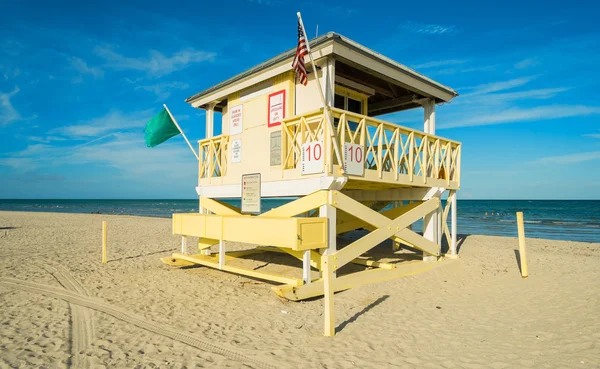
(60,307)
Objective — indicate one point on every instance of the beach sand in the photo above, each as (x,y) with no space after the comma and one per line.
(60,307)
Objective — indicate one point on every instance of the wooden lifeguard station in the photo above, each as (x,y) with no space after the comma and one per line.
(276,141)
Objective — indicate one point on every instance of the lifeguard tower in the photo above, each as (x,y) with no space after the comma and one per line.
(276,142)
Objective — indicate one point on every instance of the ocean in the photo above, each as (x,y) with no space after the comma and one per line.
(572,220)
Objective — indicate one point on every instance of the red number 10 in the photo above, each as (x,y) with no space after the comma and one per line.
(358,152)
(317,151)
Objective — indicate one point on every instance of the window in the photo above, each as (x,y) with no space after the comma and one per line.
(339,102)
(349,104)
(354,106)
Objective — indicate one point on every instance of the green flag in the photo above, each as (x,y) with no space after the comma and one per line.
(159,129)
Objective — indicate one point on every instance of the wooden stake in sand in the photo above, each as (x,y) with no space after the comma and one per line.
(522,251)
(104,256)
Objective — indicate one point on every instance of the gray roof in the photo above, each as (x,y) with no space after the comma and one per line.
(314,43)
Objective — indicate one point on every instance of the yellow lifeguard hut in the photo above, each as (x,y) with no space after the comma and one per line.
(278,141)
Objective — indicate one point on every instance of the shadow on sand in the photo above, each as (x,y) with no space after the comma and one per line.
(518,257)
(363,311)
(460,240)
(141,255)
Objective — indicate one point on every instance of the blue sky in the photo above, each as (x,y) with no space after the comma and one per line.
(79,81)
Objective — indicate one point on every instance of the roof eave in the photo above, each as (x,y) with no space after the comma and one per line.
(315,44)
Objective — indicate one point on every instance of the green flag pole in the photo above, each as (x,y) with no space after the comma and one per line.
(183,134)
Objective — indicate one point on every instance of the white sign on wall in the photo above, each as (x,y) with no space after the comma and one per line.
(251,201)
(354,159)
(235,120)
(276,108)
(236,151)
(313,157)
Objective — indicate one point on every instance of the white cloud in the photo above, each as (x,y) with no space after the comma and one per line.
(157,64)
(488,104)
(593,135)
(439,63)
(569,158)
(163,90)
(540,94)
(83,68)
(515,115)
(11,47)
(46,139)
(463,69)
(8,114)
(19,164)
(428,29)
(9,72)
(501,100)
(499,86)
(126,152)
(526,63)
(111,122)
(28,159)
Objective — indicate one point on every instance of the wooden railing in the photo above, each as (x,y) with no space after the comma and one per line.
(213,156)
(389,148)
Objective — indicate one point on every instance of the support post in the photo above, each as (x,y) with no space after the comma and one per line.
(429,117)
(184,245)
(453,245)
(430,231)
(440,230)
(104,252)
(328,277)
(431,222)
(306,267)
(210,120)
(206,251)
(328,69)
(221,255)
(522,251)
(329,212)
(396,246)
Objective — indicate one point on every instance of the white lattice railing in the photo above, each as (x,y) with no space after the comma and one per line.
(388,148)
(213,156)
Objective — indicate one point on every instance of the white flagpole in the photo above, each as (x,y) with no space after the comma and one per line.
(329,120)
(180,130)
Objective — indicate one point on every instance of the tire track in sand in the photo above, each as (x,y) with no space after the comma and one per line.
(123,315)
(82,329)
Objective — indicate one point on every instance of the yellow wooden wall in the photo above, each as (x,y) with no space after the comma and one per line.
(256,134)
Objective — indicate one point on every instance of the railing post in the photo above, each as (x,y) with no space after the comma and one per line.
(411,156)
(436,159)
(425,162)
(448,161)
(397,156)
(200,161)
(453,209)
(380,151)
(328,143)
(342,125)
(211,156)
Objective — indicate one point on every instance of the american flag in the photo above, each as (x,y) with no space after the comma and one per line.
(298,63)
